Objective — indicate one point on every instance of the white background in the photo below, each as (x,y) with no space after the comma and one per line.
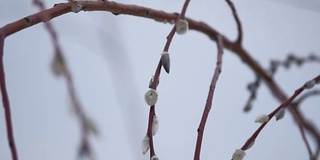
(112,59)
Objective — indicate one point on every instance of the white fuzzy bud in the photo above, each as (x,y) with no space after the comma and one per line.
(145,144)
(151,97)
(262,119)
(154,157)
(238,154)
(280,114)
(309,84)
(182,26)
(57,66)
(165,60)
(155,125)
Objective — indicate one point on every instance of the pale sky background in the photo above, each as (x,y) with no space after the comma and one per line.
(112,59)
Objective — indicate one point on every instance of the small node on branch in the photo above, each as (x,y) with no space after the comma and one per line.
(212,88)
(115,13)
(151,82)
(238,154)
(182,26)
(146,13)
(76,6)
(151,97)
(27,21)
(165,60)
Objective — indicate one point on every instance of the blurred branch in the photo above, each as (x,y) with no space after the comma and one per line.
(252,87)
(302,125)
(291,60)
(273,68)
(310,128)
(85,147)
(306,95)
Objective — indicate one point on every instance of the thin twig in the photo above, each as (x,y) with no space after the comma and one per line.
(298,115)
(274,66)
(6,104)
(283,105)
(236,17)
(306,95)
(156,78)
(301,129)
(310,128)
(316,155)
(208,105)
(152,110)
(173,30)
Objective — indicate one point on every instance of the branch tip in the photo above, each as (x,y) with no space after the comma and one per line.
(236,17)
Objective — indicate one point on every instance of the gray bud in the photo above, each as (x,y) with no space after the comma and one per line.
(165,60)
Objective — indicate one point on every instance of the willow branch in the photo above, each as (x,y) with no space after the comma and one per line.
(6,103)
(171,34)
(113,7)
(285,104)
(237,19)
(152,110)
(156,79)
(306,95)
(208,105)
